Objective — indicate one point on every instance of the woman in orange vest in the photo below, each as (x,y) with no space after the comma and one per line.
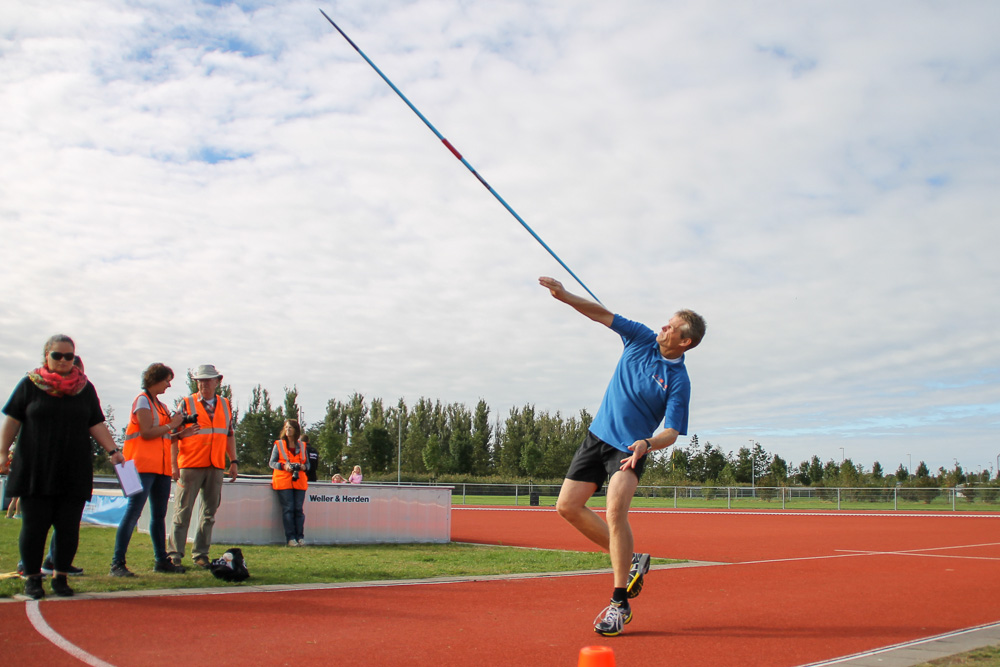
(289,463)
(147,444)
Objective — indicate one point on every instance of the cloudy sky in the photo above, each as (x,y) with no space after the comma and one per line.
(230,183)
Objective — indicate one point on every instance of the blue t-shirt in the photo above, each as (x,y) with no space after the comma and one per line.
(645,389)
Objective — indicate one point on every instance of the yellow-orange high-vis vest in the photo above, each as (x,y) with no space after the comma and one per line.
(207,448)
(282,479)
(149,454)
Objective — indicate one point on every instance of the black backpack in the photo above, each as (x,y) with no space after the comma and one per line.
(231,567)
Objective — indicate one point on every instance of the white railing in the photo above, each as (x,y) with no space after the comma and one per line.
(902,498)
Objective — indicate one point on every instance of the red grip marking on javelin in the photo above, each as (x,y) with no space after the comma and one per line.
(452,149)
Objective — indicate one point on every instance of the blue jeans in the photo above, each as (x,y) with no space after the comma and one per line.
(156,488)
(291,512)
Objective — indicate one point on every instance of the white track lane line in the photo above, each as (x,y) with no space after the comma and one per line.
(854,553)
(45,630)
(923,553)
(904,645)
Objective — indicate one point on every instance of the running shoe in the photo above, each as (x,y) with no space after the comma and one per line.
(168,566)
(119,570)
(60,587)
(640,566)
(33,588)
(48,568)
(612,620)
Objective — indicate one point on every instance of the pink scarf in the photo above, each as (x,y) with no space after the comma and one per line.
(54,384)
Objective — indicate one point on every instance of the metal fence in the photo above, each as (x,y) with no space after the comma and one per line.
(955,499)
(901,498)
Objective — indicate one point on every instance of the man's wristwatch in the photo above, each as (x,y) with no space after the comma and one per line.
(232,461)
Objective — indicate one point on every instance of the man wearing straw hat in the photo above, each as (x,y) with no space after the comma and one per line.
(649,386)
(199,463)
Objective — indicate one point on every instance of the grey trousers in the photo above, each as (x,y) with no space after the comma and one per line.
(207,482)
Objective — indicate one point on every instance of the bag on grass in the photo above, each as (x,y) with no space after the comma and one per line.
(231,566)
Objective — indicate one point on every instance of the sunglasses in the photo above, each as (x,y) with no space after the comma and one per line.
(59,356)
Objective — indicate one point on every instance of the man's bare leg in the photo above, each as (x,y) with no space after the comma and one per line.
(572,506)
(621,489)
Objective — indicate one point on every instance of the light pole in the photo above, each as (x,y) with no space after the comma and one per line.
(909,464)
(753,471)
(841,454)
(399,447)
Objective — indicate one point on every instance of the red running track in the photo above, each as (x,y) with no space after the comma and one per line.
(790,589)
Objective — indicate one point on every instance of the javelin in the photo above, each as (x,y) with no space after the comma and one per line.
(458,155)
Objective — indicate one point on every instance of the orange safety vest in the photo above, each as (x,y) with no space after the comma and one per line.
(207,448)
(150,455)
(282,479)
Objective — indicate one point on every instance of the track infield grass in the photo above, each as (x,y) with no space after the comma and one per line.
(281,565)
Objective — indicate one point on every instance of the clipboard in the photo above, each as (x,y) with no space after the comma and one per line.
(128,478)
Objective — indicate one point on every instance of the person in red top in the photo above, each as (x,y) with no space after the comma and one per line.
(147,444)
(289,462)
(199,463)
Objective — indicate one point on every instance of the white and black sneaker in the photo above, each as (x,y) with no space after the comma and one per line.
(640,566)
(612,620)
(48,568)
(119,570)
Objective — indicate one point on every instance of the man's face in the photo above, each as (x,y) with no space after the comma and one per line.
(207,387)
(672,343)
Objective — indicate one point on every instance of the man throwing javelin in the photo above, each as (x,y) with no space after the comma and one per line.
(650,384)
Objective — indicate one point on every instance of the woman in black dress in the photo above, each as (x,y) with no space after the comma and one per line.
(56,411)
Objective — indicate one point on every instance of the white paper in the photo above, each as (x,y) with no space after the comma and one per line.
(128,478)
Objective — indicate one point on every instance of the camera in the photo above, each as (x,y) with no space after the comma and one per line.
(189,419)
(296,467)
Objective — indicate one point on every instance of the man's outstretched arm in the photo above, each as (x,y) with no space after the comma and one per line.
(591,309)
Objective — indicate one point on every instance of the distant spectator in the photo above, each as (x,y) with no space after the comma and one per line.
(290,464)
(355,477)
(338,479)
(313,455)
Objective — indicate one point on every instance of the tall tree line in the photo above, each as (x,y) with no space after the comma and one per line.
(426,438)
(431,438)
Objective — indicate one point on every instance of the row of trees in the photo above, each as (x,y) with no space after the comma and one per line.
(428,438)
(432,439)
(710,466)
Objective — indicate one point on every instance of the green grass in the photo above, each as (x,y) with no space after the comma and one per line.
(981,657)
(310,564)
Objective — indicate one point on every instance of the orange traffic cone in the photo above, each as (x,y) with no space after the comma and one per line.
(596,656)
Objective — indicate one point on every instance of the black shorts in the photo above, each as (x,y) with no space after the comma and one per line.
(596,461)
